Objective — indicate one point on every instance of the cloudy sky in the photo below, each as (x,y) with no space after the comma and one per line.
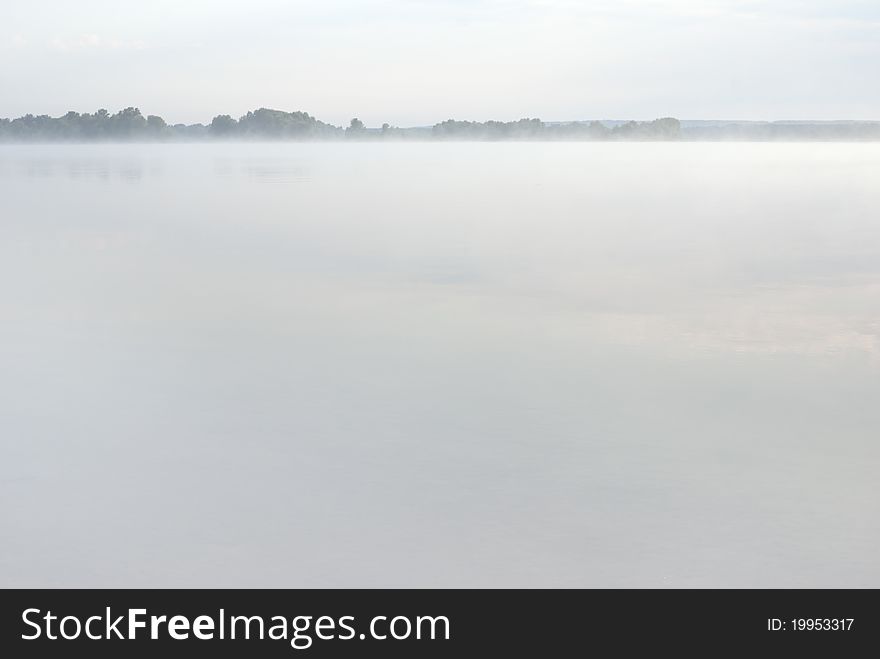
(413,62)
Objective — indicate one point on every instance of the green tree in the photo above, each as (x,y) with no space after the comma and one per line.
(223,125)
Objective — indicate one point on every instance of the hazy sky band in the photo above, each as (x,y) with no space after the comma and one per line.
(416,62)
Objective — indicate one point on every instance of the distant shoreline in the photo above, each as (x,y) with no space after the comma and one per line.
(266,125)
(425,140)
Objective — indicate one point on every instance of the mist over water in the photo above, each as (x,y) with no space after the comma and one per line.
(468,364)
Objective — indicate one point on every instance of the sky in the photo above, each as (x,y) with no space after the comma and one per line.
(416,62)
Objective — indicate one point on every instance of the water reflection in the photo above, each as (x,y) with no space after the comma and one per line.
(268,170)
(128,170)
(440,364)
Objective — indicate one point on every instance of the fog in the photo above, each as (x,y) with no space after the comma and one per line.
(446,364)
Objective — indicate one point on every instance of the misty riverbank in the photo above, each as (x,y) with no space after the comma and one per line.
(129,125)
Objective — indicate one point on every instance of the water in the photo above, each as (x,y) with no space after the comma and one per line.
(440,365)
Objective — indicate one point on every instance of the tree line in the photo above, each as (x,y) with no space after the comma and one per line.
(130,125)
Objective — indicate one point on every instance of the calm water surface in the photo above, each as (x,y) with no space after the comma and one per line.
(440,365)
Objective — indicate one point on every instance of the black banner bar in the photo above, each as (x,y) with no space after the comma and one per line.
(429,623)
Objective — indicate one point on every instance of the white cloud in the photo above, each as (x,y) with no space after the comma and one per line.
(14,41)
(93,42)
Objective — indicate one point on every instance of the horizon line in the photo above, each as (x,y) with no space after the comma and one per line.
(429,125)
